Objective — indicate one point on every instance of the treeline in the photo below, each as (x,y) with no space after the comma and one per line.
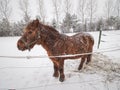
(84,19)
(69,24)
(11,29)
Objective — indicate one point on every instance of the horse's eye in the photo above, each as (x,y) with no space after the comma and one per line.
(30,32)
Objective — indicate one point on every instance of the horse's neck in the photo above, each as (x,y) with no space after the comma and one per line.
(48,39)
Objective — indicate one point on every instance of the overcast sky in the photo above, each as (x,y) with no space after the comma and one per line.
(16,13)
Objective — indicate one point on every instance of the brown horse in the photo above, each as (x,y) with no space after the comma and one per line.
(56,44)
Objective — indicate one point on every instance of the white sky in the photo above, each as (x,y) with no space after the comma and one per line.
(16,13)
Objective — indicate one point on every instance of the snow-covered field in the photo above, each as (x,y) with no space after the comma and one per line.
(103,73)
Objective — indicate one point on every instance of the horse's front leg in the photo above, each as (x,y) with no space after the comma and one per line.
(56,68)
(56,74)
(61,70)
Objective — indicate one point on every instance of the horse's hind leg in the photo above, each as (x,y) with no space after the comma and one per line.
(89,58)
(61,70)
(81,63)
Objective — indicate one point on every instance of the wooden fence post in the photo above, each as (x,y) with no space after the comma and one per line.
(100,34)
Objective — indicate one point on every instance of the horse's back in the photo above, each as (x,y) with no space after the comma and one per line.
(83,41)
(84,37)
(76,44)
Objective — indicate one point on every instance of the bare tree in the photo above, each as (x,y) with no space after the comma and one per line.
(67,6)
(5,9)
(41,10)
(109,8)
(82,9)
(92,8)
(56,5)
(24,6)
(117,8)
(116,12)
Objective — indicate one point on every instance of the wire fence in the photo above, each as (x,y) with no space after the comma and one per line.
(45,56)
(58,56)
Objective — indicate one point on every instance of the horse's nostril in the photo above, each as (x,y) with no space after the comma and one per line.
(18,46)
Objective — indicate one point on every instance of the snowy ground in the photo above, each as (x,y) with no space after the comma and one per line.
(103,73)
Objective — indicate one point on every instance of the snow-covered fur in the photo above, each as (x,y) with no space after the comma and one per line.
(56,44)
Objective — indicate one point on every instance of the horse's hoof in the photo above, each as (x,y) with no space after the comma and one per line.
(79,68)
(61,79)
(87,63)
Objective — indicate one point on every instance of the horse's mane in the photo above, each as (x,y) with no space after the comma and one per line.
(50,29)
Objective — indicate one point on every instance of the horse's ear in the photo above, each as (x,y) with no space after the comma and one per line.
(36,22)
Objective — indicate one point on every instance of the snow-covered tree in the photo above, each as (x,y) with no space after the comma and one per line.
(5,13)
(18,28)
(100,24)
(69,22)
(117,23)
(5,28)
(54,23)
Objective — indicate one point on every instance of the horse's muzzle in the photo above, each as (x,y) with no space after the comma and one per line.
(21,46)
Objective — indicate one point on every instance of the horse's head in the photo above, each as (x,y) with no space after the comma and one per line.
(30,37)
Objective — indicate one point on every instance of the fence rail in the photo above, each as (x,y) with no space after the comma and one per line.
(57,56)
